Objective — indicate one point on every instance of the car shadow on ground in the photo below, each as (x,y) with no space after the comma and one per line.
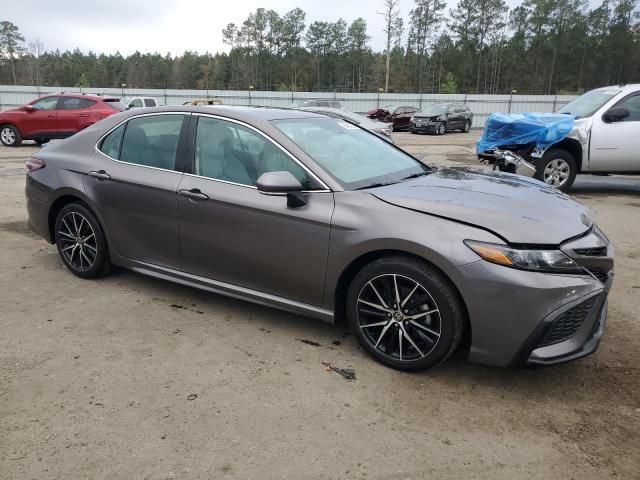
(302,332)
(605,185)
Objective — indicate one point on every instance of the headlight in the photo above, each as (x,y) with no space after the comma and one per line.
(549,261)
(412,119)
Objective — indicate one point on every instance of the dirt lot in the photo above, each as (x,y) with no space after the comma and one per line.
(129,377)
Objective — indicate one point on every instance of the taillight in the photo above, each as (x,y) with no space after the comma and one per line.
(34,164)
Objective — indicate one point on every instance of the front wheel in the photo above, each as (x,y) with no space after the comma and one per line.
(441,129)
(80,241)
(405,313)
(557,168)
(10,136)
(467,126)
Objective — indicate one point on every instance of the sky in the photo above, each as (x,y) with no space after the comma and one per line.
(167,25)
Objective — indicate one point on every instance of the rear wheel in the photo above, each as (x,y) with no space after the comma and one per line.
(405,313)
(557,168)
(10,136)
(80,241)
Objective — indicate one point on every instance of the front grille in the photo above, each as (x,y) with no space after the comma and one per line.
(591,252)
(599,274)
(567,324)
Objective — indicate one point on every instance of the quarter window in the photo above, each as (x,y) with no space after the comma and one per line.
(150,141)
(233,153)
(48,103)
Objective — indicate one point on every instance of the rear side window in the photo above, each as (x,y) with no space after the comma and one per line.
(152,141)
(73,103)
(149,102)
(111,144)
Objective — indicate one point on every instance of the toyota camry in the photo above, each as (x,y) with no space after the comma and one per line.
(317,216)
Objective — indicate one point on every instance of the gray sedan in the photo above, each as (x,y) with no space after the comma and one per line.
(318,216)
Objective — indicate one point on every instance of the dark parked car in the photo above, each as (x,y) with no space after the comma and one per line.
(398,116)
(54,116)
(314,215)
(440,118)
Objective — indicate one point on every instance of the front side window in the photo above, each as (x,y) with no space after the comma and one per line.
(234,153)
(135,103)
(633,105)
(351,155)
(48,103)
(151,141)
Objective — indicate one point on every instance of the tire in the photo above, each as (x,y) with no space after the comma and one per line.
(41,141)
(557,168)
(81,242)
(428,339)
(441,129)
(467,127)
(10,136)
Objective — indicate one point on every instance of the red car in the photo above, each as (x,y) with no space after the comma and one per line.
(54,116)
(399,116)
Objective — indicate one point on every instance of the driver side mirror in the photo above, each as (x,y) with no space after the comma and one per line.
(282,183)
(615,114)
(28,108)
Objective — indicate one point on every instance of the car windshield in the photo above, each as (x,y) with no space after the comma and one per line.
(115,104)
(587,104)
(390,108)
(354,157)
(433,110)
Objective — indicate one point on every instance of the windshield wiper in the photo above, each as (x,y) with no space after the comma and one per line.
(419,174)
(375,185)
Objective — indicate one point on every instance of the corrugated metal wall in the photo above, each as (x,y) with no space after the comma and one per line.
(481,105)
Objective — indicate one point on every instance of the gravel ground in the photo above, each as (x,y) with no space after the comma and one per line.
(131,377)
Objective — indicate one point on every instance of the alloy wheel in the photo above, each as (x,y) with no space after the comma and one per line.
(467,127)
(8,136)
(78,243)
(441,129)
(398,317)
(557,172)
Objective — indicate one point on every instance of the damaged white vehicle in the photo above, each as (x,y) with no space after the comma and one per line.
(599,135)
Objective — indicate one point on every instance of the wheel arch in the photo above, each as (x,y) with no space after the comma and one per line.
(64,198)
(351,270)
(571,146)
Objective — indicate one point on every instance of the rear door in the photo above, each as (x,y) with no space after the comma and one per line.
(73,114)
(232,233)
(133,182)
(41,121)
(615,146)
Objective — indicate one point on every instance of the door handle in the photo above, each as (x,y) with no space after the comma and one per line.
(193,194)
(82,114)
(100,175)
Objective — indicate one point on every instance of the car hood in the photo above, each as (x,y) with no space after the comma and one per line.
(518,209)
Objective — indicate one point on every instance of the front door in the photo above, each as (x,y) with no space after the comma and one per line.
(615,146)
(133,182)
(42,120)
(232,233)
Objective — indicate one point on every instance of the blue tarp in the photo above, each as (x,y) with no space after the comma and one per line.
(541,129)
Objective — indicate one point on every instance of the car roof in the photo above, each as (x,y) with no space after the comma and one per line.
(91,96)
(632,87)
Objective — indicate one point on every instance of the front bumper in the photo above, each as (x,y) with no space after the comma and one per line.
(523,318)
(423,127)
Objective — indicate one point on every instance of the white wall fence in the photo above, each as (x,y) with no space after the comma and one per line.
(481,105)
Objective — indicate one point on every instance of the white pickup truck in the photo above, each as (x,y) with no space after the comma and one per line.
(605,137)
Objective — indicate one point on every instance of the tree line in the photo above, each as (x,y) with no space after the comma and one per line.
(479,46)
